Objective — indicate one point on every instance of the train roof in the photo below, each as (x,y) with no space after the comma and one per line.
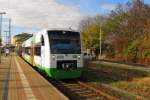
(62,29)
(45,30)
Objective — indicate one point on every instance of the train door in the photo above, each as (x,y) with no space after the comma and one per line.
(42,51)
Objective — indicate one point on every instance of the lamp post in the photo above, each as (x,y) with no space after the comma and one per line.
(1,19)
(100,38)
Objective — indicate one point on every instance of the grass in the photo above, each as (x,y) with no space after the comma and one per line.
(133,79)
(140,86)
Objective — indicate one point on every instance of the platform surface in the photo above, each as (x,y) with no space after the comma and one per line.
(19,81)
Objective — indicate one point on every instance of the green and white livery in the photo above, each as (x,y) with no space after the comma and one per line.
(57,52)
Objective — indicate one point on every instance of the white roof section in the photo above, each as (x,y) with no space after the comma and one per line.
(61,29)
(38,34)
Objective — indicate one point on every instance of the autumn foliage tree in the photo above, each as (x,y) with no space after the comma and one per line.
(128,24)
(90,32)
(126,29)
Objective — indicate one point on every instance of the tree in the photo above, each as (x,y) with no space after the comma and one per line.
(90,31)
(128,28)
(126,32)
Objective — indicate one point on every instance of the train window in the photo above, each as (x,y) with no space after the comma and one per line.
(37,51)
(42,40)
(28,50)
(23,49)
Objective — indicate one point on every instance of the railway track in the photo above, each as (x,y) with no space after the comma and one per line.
(77,90)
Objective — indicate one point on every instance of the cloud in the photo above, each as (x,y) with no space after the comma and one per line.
(108,6)
(41,13)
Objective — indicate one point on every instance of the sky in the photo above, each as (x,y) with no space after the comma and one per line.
(34,15)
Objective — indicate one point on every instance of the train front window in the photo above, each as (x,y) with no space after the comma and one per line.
(64,42)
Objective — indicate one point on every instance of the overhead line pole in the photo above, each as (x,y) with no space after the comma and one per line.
(1,20)
(9,31)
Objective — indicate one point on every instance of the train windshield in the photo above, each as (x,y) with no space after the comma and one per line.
(64,42)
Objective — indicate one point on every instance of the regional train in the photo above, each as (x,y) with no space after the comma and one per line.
(56,52)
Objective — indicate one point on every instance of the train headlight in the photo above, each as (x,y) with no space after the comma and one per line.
(79,56)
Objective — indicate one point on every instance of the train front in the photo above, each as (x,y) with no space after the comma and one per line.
(65,54)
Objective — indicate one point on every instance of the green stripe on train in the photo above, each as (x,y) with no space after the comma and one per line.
(60,74)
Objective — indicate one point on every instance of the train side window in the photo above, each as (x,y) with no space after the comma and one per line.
(42,40)
(28,50)
(37,51)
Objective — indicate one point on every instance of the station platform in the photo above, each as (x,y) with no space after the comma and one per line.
(19,81)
